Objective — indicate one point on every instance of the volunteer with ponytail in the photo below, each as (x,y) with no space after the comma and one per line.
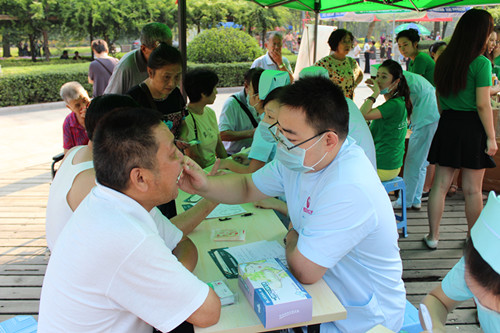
(389,120)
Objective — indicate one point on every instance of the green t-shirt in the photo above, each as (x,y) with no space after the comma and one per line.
(423,65)
(479,75)
(389,134)
(208,134)
(497,61)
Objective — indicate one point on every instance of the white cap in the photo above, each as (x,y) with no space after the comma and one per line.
(485,233)
(270,80)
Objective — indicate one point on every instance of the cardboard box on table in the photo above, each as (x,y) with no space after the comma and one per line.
(276,296)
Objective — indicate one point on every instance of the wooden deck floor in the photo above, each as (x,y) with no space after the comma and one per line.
(23,256)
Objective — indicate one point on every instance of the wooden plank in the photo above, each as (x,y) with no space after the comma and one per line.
(8,316)
(22,251)
(20,293)
(17,307)
(21,280)
(26,242)
(23,269)
(443,244)
(410,264)
(25,260)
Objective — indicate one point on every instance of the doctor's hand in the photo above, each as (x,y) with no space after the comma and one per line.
(192,179)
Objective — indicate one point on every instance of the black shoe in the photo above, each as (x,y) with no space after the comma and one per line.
(425,196)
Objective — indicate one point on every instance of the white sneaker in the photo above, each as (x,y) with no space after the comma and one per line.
(431,244)
(416,206)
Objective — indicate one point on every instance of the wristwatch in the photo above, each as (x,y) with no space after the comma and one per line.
(371,98)
(282,66)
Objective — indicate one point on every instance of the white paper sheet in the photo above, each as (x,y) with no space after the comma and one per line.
(257,251)
(223,210)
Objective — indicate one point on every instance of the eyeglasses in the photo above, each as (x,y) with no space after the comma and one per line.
(284,141)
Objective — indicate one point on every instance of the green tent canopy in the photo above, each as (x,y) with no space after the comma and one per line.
(369,5)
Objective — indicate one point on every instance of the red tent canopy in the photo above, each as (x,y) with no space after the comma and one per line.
(427,19)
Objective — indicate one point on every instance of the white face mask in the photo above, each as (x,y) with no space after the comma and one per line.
(266,135)
(489,319)
(387,89)
(250,106)
(293,159)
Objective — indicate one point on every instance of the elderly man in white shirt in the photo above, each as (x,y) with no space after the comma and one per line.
(273,58)
(119,265)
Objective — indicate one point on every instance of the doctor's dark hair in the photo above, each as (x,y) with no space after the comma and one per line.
(200,81)
(468,41)
(337,36)
(254,80)
(164,55)
(480,270)
(402,89)
(102,105)
(274,94)
(411,34)
(124,140)
(322,101)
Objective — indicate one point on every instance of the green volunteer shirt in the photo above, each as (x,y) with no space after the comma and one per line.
(497,61)
(423,65)
(479,75)
(389,134)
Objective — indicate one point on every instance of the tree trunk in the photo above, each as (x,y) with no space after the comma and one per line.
(32,47)
(91,34)
(445,25)
(6,45)
(371,27)
(436,29)
(46,51)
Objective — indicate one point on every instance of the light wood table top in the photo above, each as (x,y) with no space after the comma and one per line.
(240,317)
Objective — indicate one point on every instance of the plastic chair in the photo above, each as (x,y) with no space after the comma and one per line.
(19,324)
(397,184)
(411,322)
(55,159)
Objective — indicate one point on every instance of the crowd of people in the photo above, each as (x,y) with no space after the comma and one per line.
(121,257)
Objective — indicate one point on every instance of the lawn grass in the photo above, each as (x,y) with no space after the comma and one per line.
(7,71)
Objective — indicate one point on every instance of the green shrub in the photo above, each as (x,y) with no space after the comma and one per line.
(43,86)
(224,45)
(23,89)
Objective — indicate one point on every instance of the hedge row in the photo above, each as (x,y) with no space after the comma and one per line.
(44,87)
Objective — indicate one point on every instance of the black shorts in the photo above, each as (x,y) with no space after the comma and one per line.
(460,142)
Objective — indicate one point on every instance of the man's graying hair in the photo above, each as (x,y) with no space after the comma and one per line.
(153,33)
(71,91)
(273,34)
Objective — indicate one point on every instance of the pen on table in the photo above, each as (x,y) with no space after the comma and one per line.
(246,214)
(426,318)
(222,263)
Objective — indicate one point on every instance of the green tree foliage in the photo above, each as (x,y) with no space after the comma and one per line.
(223,45)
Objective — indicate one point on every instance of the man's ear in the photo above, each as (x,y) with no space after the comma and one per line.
(139,179)
(332,140)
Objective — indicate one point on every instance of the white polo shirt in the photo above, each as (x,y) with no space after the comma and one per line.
(234,118)
(112,270)
(266,62)
(345,223)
